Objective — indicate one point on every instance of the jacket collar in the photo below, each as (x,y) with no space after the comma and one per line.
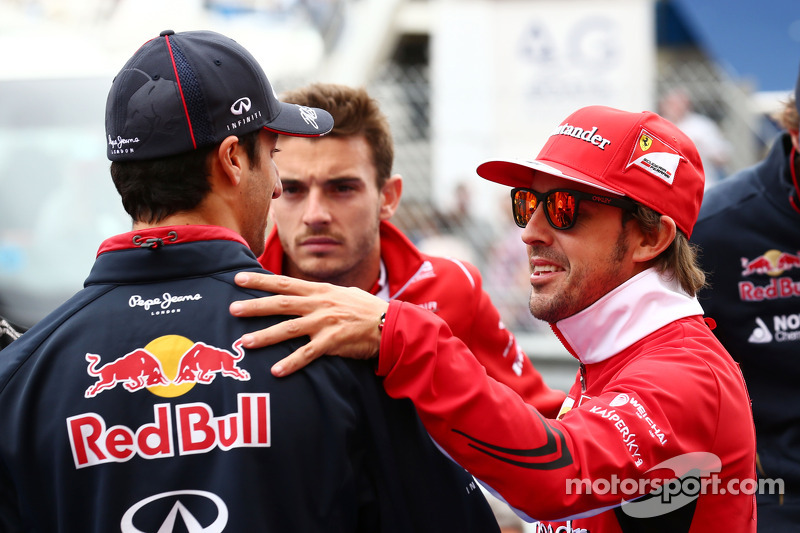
(643,304)
(166,235)
(170,252)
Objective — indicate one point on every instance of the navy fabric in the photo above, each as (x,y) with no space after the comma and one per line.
(749,236)
(132,407)
(193,97)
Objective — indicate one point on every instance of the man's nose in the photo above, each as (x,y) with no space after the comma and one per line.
(316,209)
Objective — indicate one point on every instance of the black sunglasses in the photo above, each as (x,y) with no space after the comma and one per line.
(561,205)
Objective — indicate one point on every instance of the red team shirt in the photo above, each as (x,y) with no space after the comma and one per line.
(657,396)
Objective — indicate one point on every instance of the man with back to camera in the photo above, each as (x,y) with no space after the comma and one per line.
(656,434)
(749,234)
(133,407)
(332,224)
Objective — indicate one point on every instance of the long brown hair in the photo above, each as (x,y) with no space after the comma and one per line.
(679,259)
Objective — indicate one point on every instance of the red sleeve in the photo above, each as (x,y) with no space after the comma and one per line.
(496,348)
(506,443)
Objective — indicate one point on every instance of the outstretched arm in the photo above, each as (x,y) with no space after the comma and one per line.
(339,320)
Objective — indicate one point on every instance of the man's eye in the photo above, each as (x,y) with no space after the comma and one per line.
(291,189)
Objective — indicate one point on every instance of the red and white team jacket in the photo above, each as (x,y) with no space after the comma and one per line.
(659,405)
(453,290)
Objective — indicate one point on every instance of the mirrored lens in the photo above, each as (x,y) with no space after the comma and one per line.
(524,205)
(561,209)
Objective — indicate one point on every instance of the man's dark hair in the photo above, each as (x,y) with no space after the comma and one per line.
(157,188)
(354,112)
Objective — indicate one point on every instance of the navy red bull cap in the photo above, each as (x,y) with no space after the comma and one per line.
(183,91)
(641,156)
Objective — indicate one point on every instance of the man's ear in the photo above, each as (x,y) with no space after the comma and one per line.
(650,244)
(390,193)
(231,159)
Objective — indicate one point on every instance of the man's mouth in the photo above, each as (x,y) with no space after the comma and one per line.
(318,240)
(542,269)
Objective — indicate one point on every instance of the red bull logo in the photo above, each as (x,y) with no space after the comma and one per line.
(772,263)
(202,362)
(168,366)
(778,288)
(95,441)
(134,370)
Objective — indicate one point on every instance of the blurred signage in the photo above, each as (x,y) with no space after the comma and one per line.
(499,88)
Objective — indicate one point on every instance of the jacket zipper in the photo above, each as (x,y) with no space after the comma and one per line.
(583,377)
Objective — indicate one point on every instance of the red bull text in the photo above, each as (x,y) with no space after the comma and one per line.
(95,442)
(772,263)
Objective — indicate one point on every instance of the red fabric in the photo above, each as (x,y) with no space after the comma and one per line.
(453,290)
(186,233)
(484,426)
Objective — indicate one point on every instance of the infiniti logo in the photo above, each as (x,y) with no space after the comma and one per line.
(240,106)
(163,519)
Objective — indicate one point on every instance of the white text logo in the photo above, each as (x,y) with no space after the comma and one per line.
(590,136)
(695,473)
(163,302)
(784,328)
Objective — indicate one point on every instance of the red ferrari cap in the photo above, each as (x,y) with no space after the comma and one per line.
(641,156)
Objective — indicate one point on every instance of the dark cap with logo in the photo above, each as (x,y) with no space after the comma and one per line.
(183,91)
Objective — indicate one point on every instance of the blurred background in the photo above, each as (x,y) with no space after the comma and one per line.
(461,81)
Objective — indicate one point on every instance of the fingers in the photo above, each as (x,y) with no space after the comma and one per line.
(293,296)
(338,320)
(294,361)
(272,305)
(285,330)
(288,329)
(276,283)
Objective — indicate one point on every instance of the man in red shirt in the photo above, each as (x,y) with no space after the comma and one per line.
(656,434)
(332,224)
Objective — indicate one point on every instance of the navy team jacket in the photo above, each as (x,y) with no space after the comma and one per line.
(134,408)
(749,236)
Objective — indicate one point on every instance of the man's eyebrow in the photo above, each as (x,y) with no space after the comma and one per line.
(349,180)
(345,180)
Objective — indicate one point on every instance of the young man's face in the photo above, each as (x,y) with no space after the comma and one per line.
(328,217)
(571,269)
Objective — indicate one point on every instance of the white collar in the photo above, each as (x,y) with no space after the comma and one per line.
(383,285)
(643,304)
